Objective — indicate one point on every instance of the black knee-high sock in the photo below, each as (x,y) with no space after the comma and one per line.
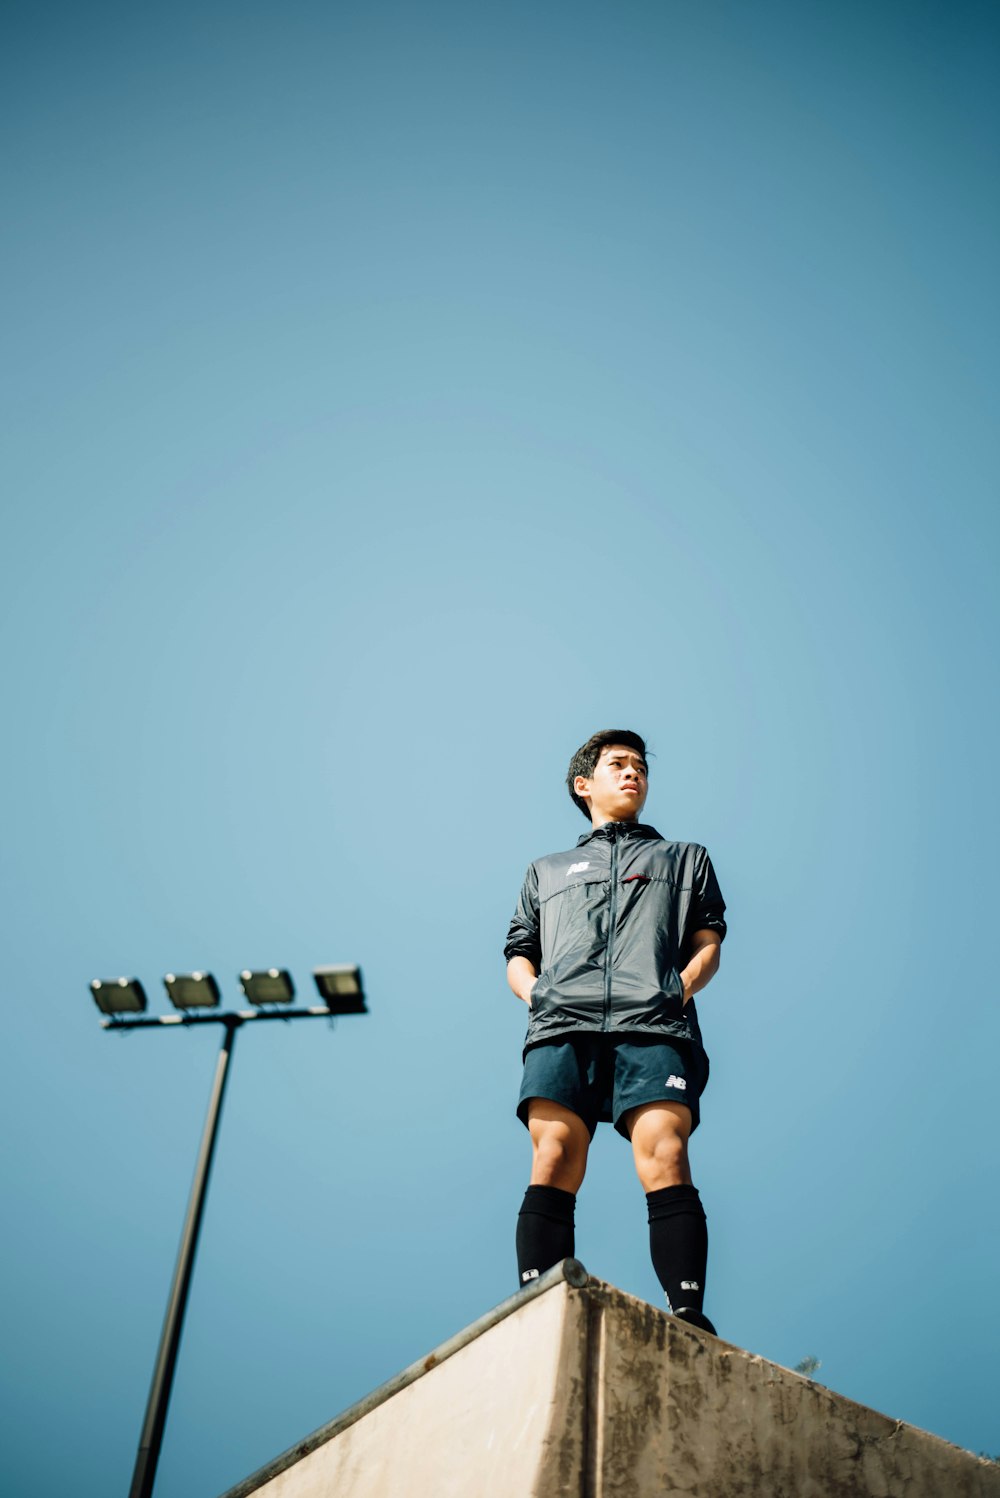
(544,1230)
(678,1244)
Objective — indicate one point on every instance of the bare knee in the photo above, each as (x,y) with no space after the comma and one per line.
(666,1164)
(554,1162)
(659,1144)
(560,1143)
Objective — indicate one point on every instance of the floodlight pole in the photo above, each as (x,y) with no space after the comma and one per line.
(163,1374)
(166,1359)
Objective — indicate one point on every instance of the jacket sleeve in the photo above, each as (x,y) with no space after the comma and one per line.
(707,905)
(524,936)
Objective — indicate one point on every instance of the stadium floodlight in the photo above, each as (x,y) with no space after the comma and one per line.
(197,996)
(192,990)
(119,995)
(271,985)
(341,989)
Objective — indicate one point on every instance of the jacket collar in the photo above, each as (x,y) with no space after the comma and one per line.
(615,831)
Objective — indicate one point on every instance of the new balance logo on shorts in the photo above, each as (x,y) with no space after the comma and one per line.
(679,1082)
(529,1274)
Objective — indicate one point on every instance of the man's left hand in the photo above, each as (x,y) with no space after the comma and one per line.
(704,962)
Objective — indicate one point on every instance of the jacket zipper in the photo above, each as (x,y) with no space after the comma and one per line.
(612,920)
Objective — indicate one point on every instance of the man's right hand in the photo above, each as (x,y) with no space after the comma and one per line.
(522,978)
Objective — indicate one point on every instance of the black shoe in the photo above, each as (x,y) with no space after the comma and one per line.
(695,1318)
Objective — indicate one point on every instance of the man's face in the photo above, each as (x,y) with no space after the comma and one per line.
(618,787)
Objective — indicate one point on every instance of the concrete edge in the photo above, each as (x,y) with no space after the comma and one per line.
(570,1272)
(601,1292)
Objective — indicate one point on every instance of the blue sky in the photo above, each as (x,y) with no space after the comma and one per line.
(393,396)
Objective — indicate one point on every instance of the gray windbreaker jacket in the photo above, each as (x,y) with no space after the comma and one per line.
(608,927)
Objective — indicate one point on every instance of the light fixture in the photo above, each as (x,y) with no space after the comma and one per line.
(271,985)
(192,990)
(118,995)
(341,989)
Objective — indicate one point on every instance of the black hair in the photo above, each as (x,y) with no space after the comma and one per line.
(584,761)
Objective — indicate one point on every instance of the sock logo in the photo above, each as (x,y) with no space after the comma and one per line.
(678,1082)
(690,1285)
(529,1274)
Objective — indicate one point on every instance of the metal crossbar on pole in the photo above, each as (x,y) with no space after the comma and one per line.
(239,1017)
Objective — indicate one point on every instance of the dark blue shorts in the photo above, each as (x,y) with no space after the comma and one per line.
(600,1076)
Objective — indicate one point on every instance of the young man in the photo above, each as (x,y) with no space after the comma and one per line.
(608,946)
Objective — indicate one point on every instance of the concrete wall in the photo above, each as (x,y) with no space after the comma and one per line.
(580,1391)
(682,1412)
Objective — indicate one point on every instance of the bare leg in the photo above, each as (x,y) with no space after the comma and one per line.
(659,1134)
(560,1141)
(545,1228)
(678,1237)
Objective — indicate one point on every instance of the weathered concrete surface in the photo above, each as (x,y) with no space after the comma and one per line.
(682,1412)
(582,1391)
